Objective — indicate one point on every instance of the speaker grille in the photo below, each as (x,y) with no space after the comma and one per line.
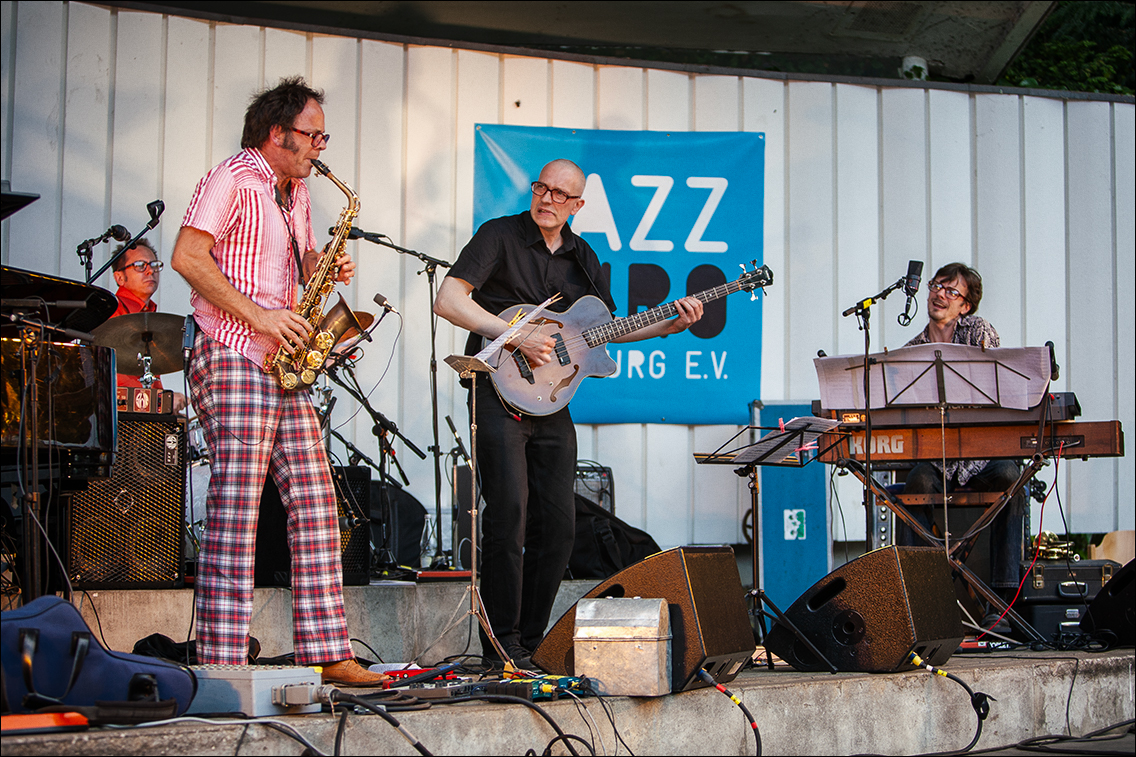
(868,614)
(126,530)
(353,496)
(273,565)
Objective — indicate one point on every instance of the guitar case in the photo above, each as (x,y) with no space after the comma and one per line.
(52,662)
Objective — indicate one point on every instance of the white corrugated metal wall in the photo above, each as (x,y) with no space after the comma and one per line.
(105,110)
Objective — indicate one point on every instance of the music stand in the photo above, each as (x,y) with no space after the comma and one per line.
(793,444)
(942,375)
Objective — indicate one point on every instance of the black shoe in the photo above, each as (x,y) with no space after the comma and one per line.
(518,655)
(995,624)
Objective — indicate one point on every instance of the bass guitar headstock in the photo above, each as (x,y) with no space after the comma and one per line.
(754,279)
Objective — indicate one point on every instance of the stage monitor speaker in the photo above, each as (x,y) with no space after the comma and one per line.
(353,497)
(1111,613)
(407,523)
(709,624)
(863,618)
(126,531)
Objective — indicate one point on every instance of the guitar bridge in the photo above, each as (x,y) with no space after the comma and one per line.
(561,350)
(523,366)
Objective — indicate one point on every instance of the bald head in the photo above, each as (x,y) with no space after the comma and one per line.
(566,169)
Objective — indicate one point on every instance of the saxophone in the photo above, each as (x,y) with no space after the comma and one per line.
(300,368)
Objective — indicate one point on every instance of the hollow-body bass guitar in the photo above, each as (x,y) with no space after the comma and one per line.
(580,334)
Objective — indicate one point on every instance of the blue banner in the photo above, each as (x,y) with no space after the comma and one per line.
(672,214)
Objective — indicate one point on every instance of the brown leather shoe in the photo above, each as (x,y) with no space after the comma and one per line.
(350,673)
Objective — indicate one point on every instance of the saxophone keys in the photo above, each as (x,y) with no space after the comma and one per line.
(324,341)
(288,380)
(314,359)
(308,376)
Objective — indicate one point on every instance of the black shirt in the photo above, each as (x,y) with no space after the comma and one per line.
(508,263)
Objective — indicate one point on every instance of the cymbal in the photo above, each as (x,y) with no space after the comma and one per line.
(157,334)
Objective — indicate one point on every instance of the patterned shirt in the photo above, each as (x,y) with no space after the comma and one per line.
(974,331)
(236,204)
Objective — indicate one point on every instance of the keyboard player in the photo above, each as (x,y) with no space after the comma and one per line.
(952,306)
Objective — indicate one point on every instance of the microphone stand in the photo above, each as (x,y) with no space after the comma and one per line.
(862,311)
(155,208)
(383,425)
(431,266)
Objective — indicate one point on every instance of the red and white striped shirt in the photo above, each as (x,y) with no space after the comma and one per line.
(236,204)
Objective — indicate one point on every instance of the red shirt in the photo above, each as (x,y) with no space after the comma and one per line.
(128,302)
(236,204)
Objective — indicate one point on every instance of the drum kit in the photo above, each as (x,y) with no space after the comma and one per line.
(159,341)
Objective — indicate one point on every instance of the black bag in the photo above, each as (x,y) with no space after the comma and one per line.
(604,544)
(51,660)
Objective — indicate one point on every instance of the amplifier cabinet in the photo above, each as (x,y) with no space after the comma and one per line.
(126,531)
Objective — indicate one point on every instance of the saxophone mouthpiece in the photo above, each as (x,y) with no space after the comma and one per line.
(319,166)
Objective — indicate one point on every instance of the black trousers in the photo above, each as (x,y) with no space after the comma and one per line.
(1005,531)
(527,468)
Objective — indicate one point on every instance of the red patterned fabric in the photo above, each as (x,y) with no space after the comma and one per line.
(236,204)
(128,303)
(254,427)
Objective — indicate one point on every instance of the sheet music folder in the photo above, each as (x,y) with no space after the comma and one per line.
(794,444)
(466,365)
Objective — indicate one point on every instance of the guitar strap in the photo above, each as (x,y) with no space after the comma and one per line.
(584,266)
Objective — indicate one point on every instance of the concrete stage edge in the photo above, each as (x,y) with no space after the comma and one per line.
(797,713)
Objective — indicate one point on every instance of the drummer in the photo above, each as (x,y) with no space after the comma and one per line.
(136,274)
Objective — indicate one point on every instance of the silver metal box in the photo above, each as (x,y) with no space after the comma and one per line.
(624,645)
(249,689)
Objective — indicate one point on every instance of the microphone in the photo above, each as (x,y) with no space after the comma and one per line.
(461,446)
(911,288)
(120,234)
(155,209)
(382,302)
(356,233)
(914,276)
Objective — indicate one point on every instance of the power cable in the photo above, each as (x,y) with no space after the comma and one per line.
(978,700)
(707,678)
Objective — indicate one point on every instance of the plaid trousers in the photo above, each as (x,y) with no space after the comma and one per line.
(253,428)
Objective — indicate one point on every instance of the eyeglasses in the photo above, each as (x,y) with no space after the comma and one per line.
(142,265)
(559,196)
(950,292)
(315,136)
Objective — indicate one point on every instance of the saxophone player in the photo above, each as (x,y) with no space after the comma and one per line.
(245,245)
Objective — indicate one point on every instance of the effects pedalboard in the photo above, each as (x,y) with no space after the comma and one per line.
(532,689)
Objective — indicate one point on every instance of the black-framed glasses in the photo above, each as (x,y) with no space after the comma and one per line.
(559,196)
(315,136)
(142,265)
(951,292)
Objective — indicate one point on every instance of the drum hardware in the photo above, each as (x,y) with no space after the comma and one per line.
(156,339)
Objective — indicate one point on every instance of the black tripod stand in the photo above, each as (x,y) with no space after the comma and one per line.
(383,429)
